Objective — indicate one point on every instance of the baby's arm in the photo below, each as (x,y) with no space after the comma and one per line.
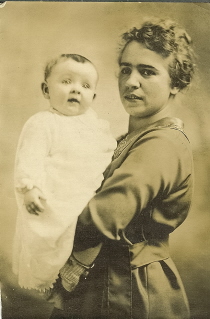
(33,149)
(33,201)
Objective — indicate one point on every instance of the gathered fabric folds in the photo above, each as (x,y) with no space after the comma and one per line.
(64,157)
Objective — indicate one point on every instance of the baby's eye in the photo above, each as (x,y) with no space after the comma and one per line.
(66,81)
(125,70)
(147,72)
(86,85)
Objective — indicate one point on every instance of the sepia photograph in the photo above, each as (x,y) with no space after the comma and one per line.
(105,160)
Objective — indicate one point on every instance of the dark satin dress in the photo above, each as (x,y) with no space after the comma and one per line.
(145,196)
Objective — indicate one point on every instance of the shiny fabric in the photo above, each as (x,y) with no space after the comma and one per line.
(145,196)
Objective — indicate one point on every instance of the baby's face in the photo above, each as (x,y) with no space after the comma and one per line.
(71,87)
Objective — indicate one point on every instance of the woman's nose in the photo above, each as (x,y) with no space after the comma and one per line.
(134,80)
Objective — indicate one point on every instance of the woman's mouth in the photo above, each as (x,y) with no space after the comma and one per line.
(133,97)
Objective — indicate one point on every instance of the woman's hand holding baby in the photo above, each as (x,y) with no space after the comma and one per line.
(33,201)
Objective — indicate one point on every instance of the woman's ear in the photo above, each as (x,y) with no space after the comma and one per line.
(174,90)
(45,90)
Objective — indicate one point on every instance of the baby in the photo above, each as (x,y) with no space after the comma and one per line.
(61,156)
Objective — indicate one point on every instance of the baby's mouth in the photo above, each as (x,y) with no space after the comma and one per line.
(73,100)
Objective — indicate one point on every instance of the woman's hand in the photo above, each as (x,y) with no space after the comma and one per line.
(71,272)
(33,201)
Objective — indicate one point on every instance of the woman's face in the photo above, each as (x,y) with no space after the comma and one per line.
(144,81)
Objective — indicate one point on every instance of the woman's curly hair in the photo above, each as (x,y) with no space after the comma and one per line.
(166,38)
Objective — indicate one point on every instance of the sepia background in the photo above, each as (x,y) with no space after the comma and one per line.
(33,32)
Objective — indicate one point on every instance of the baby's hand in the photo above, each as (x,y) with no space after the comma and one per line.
(32,201)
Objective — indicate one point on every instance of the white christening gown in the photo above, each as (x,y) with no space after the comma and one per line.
(65,157)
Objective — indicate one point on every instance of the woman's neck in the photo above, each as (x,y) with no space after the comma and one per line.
(136,123)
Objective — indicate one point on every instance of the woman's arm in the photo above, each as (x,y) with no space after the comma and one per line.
(157,165)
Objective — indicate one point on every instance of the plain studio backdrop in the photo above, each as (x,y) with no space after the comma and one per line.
(34,32)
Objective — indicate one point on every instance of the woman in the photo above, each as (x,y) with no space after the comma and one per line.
(146,193)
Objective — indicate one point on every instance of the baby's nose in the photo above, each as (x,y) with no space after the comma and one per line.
(75,89)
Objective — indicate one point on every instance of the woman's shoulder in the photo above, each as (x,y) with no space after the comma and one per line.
(163,142)
(166,129)
(171,135)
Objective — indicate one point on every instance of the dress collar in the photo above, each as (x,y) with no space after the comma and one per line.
(167,122)
(170,122)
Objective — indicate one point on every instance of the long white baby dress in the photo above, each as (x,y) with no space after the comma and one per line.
(65,157)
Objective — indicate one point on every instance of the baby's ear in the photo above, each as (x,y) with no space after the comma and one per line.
(45,90)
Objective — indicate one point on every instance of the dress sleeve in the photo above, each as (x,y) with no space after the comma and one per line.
(33,148)
(157,165)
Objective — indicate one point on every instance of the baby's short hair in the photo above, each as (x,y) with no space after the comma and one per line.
(166,38)
(76,57)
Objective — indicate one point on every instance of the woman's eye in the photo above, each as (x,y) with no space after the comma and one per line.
(147,72)
(125,70)
(86,85)
(66,81)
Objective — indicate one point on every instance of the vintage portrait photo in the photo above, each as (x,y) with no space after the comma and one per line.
(105,160)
